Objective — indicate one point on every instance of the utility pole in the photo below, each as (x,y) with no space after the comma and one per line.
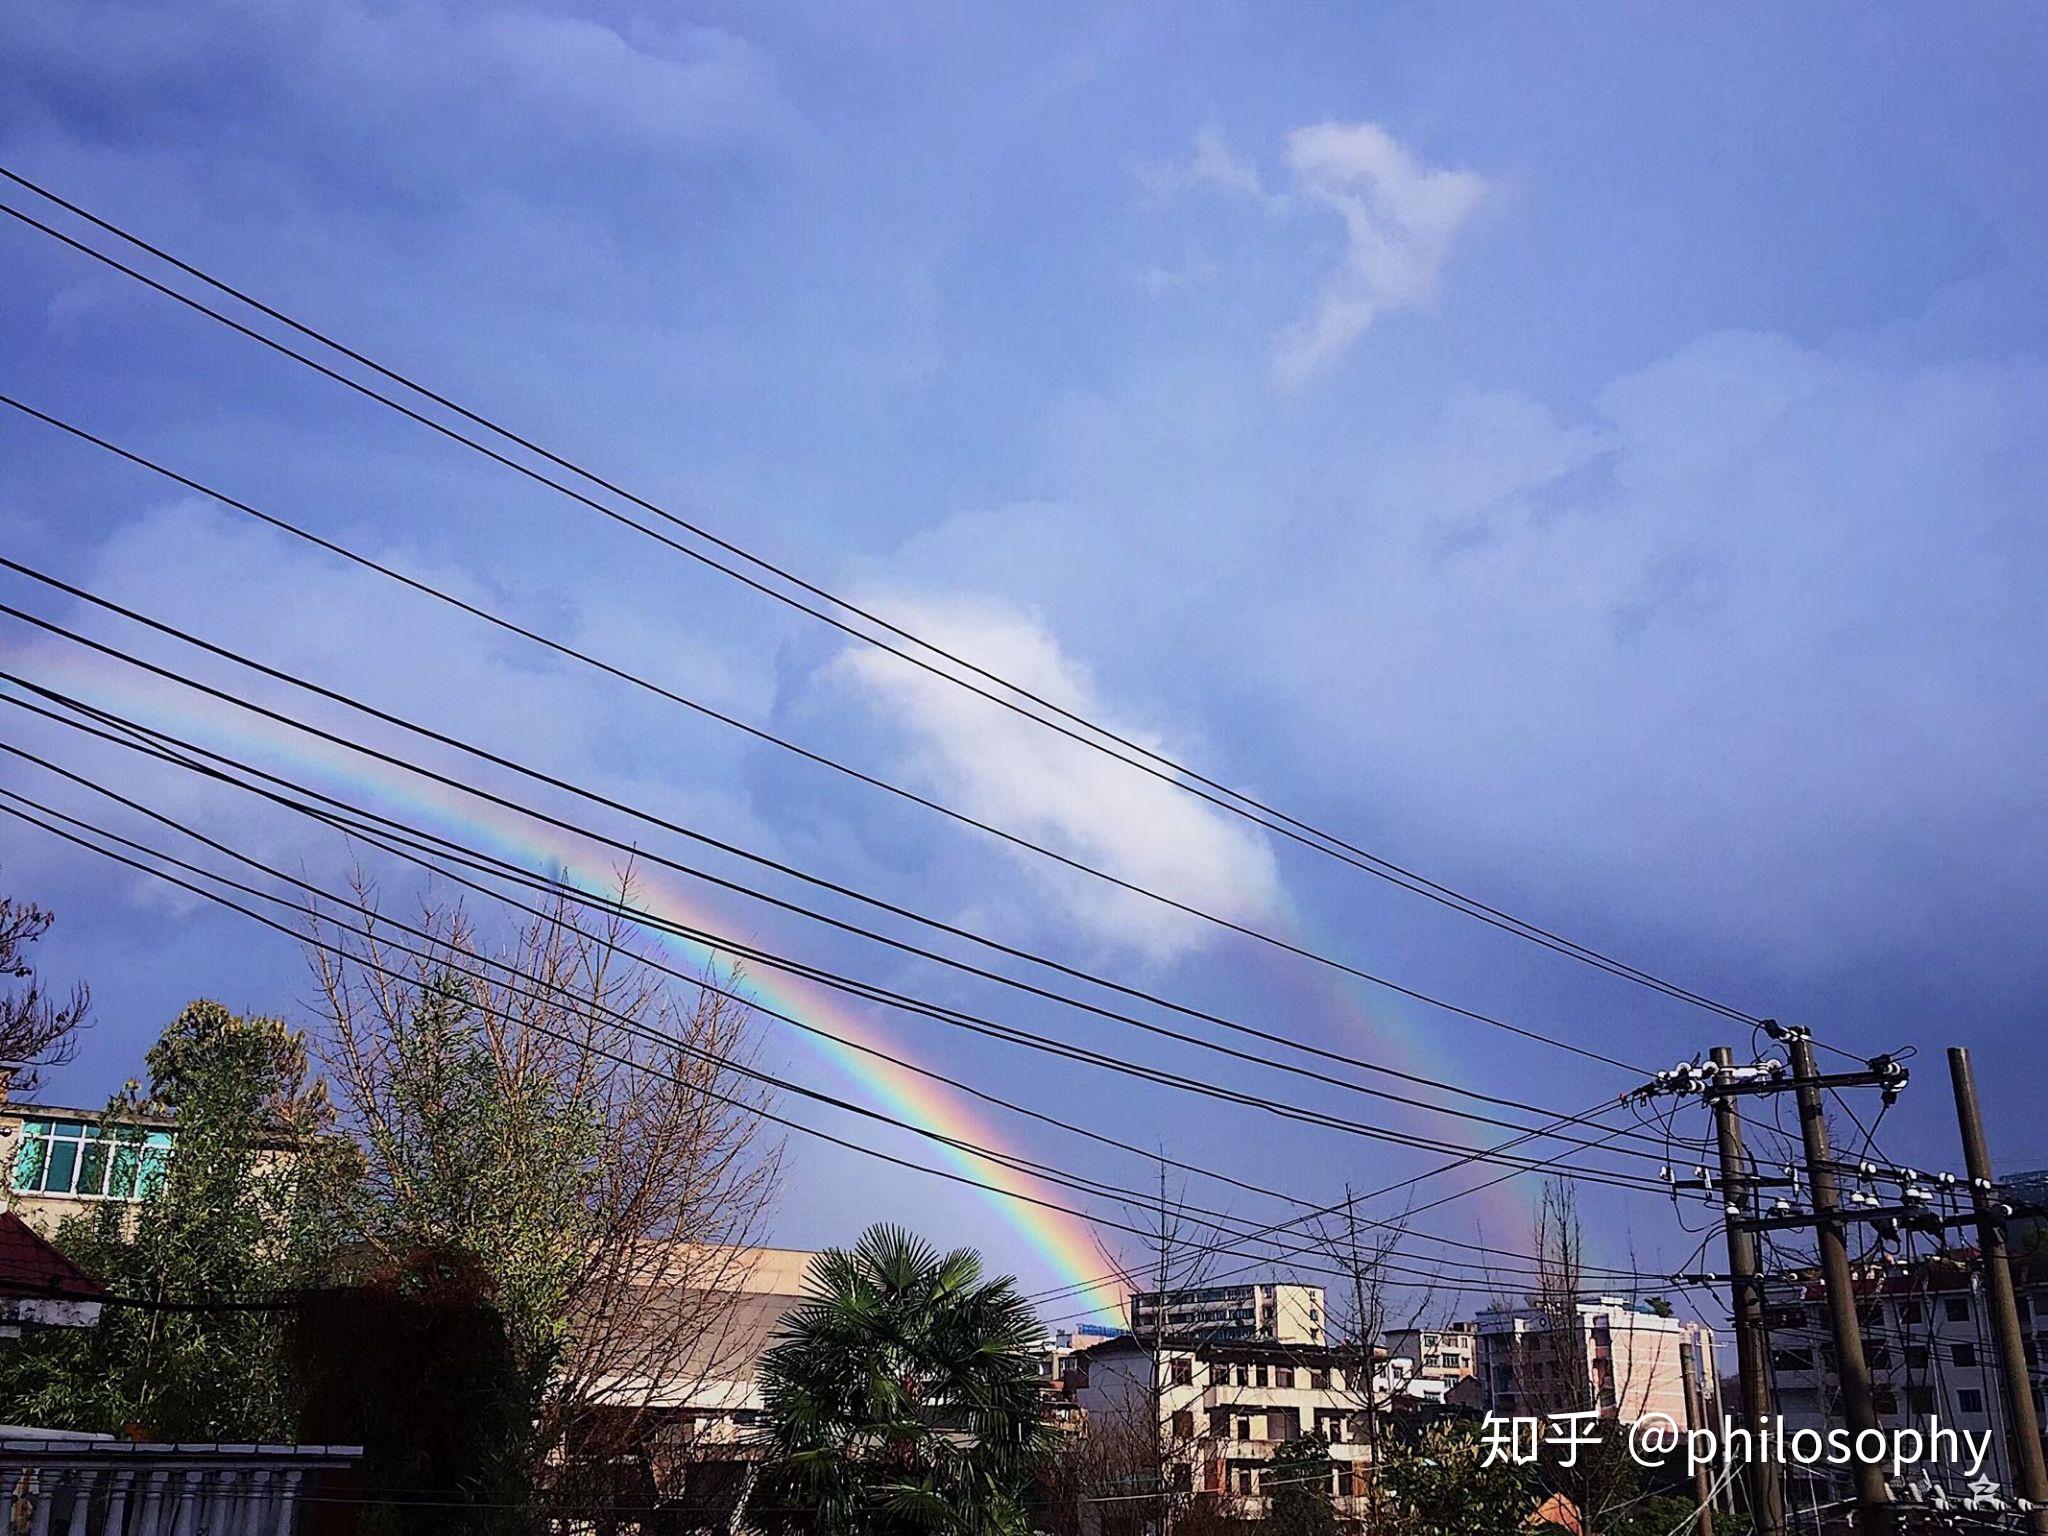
(1696,1411)
(2029,1470)
(1766,1489)
(1875,1515)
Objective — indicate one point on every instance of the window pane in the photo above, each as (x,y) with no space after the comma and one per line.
(156,1152)
(63,1165)
(92,1166)
(126,1148)
(30,1160)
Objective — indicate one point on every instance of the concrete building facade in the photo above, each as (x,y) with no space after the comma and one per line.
(1449,1354)
(1928,1343)
(1225,1407)
(1626,1362)
(1276,1311)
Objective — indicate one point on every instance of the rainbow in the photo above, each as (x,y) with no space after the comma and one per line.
(1066,1243)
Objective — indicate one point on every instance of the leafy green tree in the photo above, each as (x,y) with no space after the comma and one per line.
(1441,1485)
(244,1210)
(1301,1477)
(901,1397)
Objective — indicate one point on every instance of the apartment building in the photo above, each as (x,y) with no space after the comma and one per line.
(1449,1354)
(1281,1313)
(1630,1360)
(60,1160)
(1225,1407)
(1928,1343)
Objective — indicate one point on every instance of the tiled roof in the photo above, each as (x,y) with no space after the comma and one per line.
(29,1266)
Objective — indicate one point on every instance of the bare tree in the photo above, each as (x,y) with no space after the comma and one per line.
(36,1029)
(551,1102)
(1362,1251)
(1559,1371)
(1145,1455)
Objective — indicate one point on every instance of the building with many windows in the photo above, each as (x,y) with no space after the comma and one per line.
(1224,1407)
(1287,1314)
(1626,1362)
(1927,1341)
(1449,1354)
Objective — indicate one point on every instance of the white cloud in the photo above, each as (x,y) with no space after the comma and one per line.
(1003,769)
(1211,164)
(1401,220)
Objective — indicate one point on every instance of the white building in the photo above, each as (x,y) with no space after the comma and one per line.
(1635,1362)
(1284,1313)
(1927,1340)
(1449,1354)
(1225,1407)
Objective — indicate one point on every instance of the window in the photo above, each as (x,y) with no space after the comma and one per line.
(1791,1359)
(1966,1354)
(1283,1375)
(1970,1400)
(1319,1380)
(1260,1375)
(1184,1424)
(1239,1376)
(1956,1309)
(1909,1309)
(2024,1307)
(1244,1429)
(1920,1400)
(1183,1478)
(1183,1371)
(1247,1478)
(69,1157)
(1916,1357)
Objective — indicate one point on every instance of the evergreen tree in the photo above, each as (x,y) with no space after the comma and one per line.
(1442,1485)
(244,1209)
(902,1398)
(1301,1479)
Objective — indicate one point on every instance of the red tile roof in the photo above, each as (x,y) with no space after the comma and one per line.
(29,1266)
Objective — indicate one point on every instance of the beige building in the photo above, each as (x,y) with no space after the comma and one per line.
(1449,1354)
(1225,1407)
(1287,1314)
(60,1161)
(1634,1363)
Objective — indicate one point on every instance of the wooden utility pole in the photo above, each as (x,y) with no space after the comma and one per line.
(1766,1488)
(2029,1469)
(1696,1411)
(1875,1515)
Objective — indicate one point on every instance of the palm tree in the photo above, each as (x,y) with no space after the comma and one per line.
(901,1397)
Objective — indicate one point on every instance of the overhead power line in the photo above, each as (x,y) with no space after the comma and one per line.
(478,611)
(955,669)
(351,820)
(438,957)
(620,909)
(552,781)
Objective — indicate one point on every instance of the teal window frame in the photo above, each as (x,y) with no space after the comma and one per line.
(82,1160)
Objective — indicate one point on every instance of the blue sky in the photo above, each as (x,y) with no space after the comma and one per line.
(1592,456)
